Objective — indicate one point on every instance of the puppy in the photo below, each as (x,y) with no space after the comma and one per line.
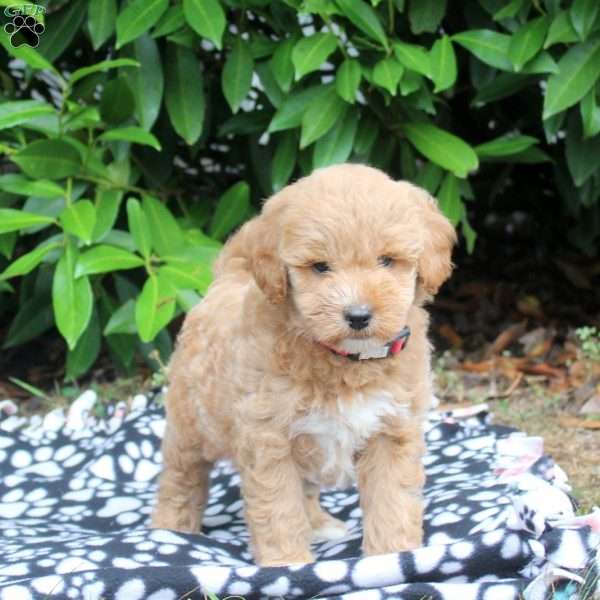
(298,367)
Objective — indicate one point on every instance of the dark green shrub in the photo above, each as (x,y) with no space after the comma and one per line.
(139,134)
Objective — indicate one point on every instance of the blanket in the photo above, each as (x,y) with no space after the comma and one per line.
(76,492)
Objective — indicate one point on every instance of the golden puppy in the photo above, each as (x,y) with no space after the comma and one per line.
(297,365)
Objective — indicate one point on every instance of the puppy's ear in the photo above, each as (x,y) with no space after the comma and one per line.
(439,236)
(263,241)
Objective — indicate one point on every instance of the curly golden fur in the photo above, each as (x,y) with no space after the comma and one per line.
(253,377)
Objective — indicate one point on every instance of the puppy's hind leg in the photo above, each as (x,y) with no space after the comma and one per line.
(183,486)
(324,526)
(184,481)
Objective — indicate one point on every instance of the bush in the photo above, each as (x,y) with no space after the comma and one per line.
(139,134)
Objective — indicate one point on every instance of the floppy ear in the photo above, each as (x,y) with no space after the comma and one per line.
(439,236)
(263,238)
(255,249)
(267,268)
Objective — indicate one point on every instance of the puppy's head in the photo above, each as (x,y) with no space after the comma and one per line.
(347,249)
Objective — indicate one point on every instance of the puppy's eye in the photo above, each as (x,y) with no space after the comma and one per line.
(386,261)
(320,267)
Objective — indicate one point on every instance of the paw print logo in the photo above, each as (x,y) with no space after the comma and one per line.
(24,31)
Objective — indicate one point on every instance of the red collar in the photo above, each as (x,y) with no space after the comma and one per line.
(393,347)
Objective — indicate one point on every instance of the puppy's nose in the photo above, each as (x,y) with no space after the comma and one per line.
(358,315)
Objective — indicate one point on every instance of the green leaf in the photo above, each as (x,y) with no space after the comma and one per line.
(13,220)
(105,259)
(122,320)
(387,74)
(490,47)
(365,18)
(79,219)
(509,11)
(527,41)
(102,15)
(311,52)
(505,146)
(72,299)
(347,80)
(193,276)
(166,233)
(26,263)
(320,116)
(236,77)
(206,18)
(18,184)
(48,159)
(7,246)
(430,177)
(542,63)
(469,233)
(368,132)
(561,30)
(187,299)
(154,307)
(33,318)
(272,90)
(61,27)
(101,67)
(108,202)
(131,134)
(582,155)
(284,160)
(441,147)
(413,57)
(502,86)
(426,15)
(336,146)
(137,17)
(117,102)
(147,82)
(231,210)
(184,94)
(410,83)
(579,70)
(584,14)
(184,37)
(245,123)
(590,114)
(531,155)
(443,64)
(291,111)
(86,351)
(139,227)
(172,20)
(21,111)
(449,199)
(281,63)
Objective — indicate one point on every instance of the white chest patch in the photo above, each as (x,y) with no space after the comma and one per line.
(345,430)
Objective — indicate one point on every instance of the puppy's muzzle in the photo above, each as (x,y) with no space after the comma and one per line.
(358,316)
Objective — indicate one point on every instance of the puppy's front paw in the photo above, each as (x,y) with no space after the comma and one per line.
(391,544)
(329,530)
(286,561)
(166,517)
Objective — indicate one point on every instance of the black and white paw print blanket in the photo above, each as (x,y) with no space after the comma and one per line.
(76,493)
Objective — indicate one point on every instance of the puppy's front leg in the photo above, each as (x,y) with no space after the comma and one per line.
(390,479)
(274,501)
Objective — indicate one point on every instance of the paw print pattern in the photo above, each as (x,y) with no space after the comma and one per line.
(24,31)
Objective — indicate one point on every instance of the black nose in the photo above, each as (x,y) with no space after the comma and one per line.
(358,315)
